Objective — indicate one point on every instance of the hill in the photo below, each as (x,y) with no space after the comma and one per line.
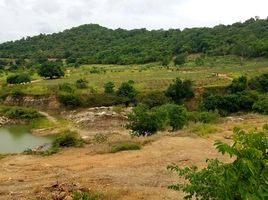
(92,44)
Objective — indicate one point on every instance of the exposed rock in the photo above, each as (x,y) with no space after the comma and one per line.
(6,121)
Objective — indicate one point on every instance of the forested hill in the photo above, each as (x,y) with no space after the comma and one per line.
(95,44)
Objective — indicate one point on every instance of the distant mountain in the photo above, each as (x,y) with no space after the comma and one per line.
(95,44)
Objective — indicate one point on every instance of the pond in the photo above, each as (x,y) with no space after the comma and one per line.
(16,139)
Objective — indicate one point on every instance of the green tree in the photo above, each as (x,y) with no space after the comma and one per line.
(127,92)
(239,84)
(51,70)
(180,59)
(144,122)
(19,78)
(109,87)
(180,91)
(244,178)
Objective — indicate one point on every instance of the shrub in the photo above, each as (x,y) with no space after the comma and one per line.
(203,117)
(153,99)
(81,83)
(203,129)
(176,115)
(85,196)
(124,146)
(238,85)
(66,87)
(180,59)
(109,87)
(96,100)
(180,91)
(229,103)
(259,83)
(127,92)
(19,78)
(70,99)
(244,178)
(21,113)
(261,106)
(143,121)
(66,139)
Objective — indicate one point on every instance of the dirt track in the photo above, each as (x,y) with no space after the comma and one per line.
(124,175)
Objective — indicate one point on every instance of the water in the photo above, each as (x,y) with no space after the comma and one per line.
(15,139)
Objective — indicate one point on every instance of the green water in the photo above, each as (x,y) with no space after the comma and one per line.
(15,139)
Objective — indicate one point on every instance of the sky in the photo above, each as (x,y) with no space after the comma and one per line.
(21,18)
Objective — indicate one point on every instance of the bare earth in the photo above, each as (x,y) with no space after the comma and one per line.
(125,175)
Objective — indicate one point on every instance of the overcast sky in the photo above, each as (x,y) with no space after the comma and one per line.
(20,18)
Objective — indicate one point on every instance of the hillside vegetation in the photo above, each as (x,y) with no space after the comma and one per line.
(93,44)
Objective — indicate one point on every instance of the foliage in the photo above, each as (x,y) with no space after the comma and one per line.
(81,83)
(229,103)
(19,78)
(176,115)
(180,91)
(65,139)
(50,69)
(97,100)
(124,146)
(238,85)
(70,99)
(85,196)
(109,87)
(203,117)
(261,106)
(259,83)
(127,92)
(203,129)
(20,112)
(144,122)
(244,178)
(66,87)
(180,59)
(107,46)
(153,99)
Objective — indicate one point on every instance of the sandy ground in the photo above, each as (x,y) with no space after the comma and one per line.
(125,175)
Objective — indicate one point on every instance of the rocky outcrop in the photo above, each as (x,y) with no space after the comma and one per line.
(40,102)
(6,121)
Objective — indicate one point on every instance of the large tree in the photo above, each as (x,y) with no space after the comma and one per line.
(51,70)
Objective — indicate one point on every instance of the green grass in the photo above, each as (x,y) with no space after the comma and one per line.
(149,76)
(203,130)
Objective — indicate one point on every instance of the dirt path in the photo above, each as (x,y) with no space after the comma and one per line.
(49,117)
(126,175)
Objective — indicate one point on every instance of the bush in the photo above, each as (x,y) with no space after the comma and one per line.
(180,59)
(153,99)
(125,146)
(203,117)
(85,196)
(127,92)
(65,139)
(109,87)
(238,85)
(70,99)
(18,78)
(229,103)
(21,113)
(97,100)
(176,115)
(259,83)
(143,121)
(180,91)
(66,87)
(244,178)
(81,83)
(261,106)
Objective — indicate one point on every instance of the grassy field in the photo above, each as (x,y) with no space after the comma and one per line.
(151,76)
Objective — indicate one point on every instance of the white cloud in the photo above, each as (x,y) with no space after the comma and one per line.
(29,17)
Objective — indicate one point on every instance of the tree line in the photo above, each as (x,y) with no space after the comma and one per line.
(93,44)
